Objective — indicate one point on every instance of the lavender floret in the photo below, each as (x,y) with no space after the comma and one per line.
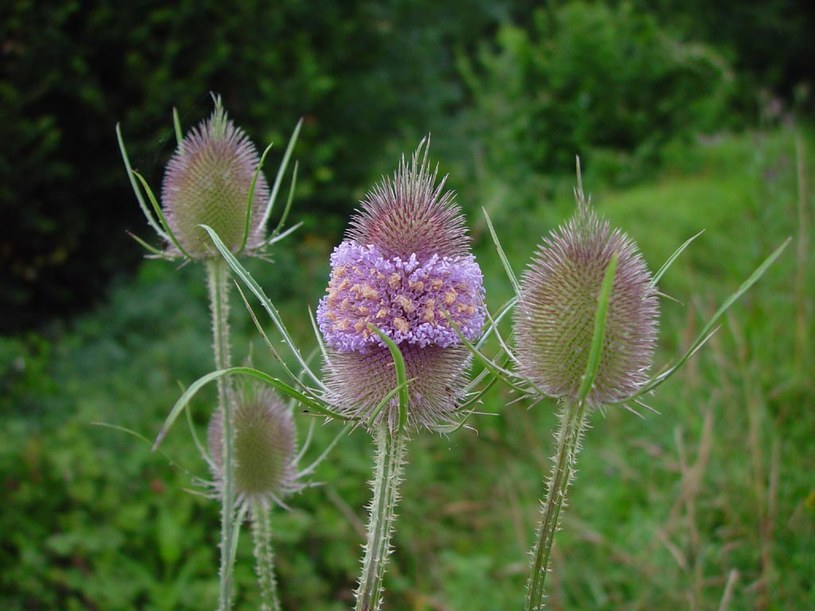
(408,299)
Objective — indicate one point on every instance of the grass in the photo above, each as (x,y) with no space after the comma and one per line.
(709,504)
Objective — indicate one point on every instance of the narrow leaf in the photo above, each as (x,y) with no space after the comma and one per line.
(596,350)
(160,215)
(502,374)
(130,174)
(283,217)
(248,215)
(502,255)
(179,134)
(665,266)
(253,286)
(401,375)
(710,327)
(279,385)
(280,172)
(151,249)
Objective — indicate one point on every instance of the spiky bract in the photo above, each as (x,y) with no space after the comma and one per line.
(558,301)
(357,383)
(412,214)
(264,448)
(208,181)
(406,269)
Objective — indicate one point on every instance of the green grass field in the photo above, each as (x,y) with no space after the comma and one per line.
(707,504)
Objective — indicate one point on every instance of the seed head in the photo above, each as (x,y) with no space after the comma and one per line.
(264,448)
(554,321)
(406,269)
(208,181)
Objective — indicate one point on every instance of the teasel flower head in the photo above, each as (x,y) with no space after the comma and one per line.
(208,182)
(554,320)
(406,269)
(264,448)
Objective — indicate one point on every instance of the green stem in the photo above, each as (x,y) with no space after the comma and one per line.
(390,462)
(572,425)
(264,556)
(217,277)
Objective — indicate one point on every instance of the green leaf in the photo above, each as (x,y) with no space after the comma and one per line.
(160,214)
(253,286)
(711,326)
(502,374)
(279,385)
(248,215)
(280,236)
(502,255)
(276,235)
(179,134)
(661,272)
(401,375)
(130,174)
(280,172)
(381,405)
(317,335)
(151,249)
(596,350)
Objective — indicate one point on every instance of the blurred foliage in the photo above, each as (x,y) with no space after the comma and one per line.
(607,83)
(70,71)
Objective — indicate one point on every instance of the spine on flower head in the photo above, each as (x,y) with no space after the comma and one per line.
(406,269)
(208,182)
(554,320)
(264,448)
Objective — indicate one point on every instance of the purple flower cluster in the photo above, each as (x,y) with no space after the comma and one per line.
(411,301)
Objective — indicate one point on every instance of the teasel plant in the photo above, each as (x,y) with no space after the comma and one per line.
(404,287)
(265,469)
(404,295)
(215,179)
(585,331)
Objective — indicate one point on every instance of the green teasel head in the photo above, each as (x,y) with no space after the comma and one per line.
(208,181)
(264,448)
(554,320)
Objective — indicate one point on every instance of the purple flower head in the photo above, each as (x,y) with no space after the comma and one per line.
(554,321)
(208,181)
(264,446)
(406,269)
(408,300)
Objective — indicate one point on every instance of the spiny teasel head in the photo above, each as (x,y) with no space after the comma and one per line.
(554,320)
(406,269)
(208,181)
(264,448)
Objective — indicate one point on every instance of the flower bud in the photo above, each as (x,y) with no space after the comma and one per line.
(406,269)
(208,181)
(554,320)
(264,448)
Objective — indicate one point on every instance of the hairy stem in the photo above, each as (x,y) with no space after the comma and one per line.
(217,277)
(572,426)
(390,462)
(264,557)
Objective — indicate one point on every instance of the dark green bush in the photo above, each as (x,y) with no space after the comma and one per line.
(605,82)
(359,73)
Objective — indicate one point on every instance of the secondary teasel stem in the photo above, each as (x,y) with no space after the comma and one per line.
(390,462)
(573,419)
(264,556)
(217,277)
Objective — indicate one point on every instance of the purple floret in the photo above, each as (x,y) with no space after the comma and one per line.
(408,299)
